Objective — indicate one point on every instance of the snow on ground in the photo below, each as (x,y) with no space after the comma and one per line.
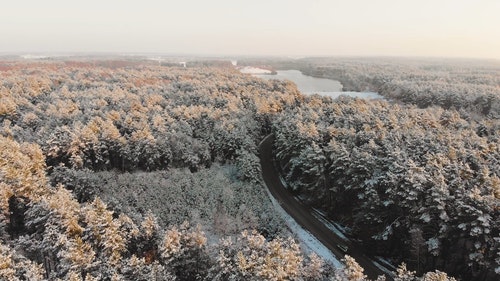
(254,70)
(307,239)
(362,95)
(322,217)
(383,268)
(30,57)
(386,263)
(313,244)
(334,227)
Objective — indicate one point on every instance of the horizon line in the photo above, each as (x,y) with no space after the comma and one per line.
(62,54)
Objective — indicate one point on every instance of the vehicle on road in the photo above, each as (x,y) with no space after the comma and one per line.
(343,248)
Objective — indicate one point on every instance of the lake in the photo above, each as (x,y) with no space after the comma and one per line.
(311,85)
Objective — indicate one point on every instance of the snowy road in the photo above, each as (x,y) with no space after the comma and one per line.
(304,217)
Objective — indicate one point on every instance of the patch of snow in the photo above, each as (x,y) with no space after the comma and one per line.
(29,56)
(307,239)
(319,212)
(385,262)
(387,202)
(254,70)
(476,230)
(485,219)
(384,235)
(342,228)
(283,182)
(444,216)
(443,228)
(425,217)
(475,256)
(433,244)
(319,215)
(363,95)
(334,227)
(385,270)
(300,198)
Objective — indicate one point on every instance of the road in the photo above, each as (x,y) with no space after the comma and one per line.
(302,214)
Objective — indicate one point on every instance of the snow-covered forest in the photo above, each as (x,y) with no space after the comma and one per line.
(130,170)
(468,86)
(418,177)
(170,150)
(420,184)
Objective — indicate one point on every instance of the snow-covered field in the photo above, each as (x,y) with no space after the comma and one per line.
(254,70)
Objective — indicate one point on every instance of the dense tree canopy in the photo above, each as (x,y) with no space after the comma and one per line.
(398,174)
(101,163)
(145,117)
(470,86)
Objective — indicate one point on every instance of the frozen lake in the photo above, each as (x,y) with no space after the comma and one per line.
(311,85)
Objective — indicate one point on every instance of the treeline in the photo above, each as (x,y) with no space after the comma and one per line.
(422,185)
(470,86)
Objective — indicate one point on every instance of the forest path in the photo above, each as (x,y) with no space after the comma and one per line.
(303,214)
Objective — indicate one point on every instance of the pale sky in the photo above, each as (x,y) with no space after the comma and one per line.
(446,28)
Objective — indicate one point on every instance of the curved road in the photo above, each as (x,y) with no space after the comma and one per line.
(304,217)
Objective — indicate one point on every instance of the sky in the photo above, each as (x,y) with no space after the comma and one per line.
(429,28)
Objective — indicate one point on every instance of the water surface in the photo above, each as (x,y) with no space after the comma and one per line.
(311,85)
